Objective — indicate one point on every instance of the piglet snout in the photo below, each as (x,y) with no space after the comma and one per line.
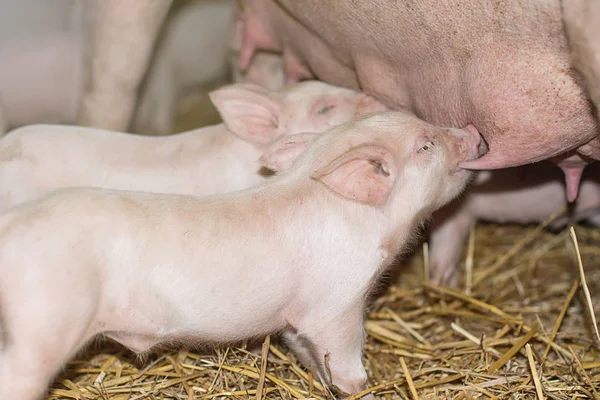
(476,144)
(470,145)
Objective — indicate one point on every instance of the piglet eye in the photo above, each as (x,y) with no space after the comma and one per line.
(325,109)
(428,146)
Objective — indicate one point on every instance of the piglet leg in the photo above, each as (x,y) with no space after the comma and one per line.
(302,348)
(30,360)
(41,331)
(449,232)
(335,344)
(23,375)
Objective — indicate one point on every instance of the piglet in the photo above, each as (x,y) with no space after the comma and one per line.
(527,194)
(297,254)
(214,159)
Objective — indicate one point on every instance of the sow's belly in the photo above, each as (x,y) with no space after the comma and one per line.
(503,66)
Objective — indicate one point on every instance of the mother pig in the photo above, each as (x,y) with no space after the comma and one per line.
(503,66)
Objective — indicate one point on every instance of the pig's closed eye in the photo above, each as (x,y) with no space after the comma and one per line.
(427,147)
(325,109)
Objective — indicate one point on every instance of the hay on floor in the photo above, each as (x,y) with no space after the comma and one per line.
(523,332)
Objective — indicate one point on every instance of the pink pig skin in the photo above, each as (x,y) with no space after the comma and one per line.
(523,195)
(215,159)
(506,68)
(150,269)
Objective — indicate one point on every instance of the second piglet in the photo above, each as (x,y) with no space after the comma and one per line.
(214,159)
(297,254)
(527,194)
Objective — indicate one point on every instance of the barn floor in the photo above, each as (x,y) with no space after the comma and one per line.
(523,332)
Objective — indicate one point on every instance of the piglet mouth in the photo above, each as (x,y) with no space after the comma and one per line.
(472,146)
(476,147)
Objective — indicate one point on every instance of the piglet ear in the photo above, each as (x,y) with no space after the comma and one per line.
(365,173)
(248,112)
(282,154)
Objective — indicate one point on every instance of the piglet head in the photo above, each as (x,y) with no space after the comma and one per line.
(314,106)
(260,116)
(430,158)
(391,160)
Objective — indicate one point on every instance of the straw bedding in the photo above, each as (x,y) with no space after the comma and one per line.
(524,330)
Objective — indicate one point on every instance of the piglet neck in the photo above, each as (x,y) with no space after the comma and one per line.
(398,236)
(216,145)
(405,223)
(217,140)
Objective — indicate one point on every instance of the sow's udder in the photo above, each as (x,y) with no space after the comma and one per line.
(506,68)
